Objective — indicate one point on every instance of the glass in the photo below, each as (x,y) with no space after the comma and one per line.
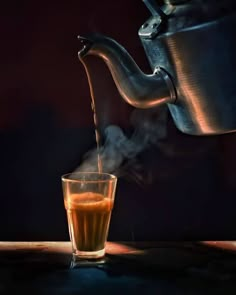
(88,199)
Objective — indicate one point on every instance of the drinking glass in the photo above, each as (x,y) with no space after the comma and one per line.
(88,200)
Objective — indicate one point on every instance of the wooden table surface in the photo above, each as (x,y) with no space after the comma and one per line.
(130,268)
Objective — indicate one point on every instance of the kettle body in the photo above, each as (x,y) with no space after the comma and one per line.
(201,61)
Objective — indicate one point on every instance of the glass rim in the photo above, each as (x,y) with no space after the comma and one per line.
(65,177)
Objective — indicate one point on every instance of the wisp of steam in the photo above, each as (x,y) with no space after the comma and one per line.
(119,152)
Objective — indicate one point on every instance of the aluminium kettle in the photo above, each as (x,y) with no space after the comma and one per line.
(191,48)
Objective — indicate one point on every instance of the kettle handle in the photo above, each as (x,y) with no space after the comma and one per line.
(155,9)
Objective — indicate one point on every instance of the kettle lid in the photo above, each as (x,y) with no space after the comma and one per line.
(176,15)
(175,2)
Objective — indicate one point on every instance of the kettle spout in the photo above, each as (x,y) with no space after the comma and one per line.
(136,88)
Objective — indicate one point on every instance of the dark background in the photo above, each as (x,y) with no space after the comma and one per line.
(46,127)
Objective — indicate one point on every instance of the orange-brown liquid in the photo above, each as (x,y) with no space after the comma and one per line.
(95,117)
(88,217)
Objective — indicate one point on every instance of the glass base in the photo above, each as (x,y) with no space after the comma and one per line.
(86,258)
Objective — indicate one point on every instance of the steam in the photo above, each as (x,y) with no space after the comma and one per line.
(119,154)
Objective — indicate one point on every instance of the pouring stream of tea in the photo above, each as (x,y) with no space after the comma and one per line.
(95,117)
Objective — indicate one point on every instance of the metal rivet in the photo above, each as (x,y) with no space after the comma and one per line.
(144,25)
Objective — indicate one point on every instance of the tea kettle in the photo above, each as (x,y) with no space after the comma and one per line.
(191,48)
